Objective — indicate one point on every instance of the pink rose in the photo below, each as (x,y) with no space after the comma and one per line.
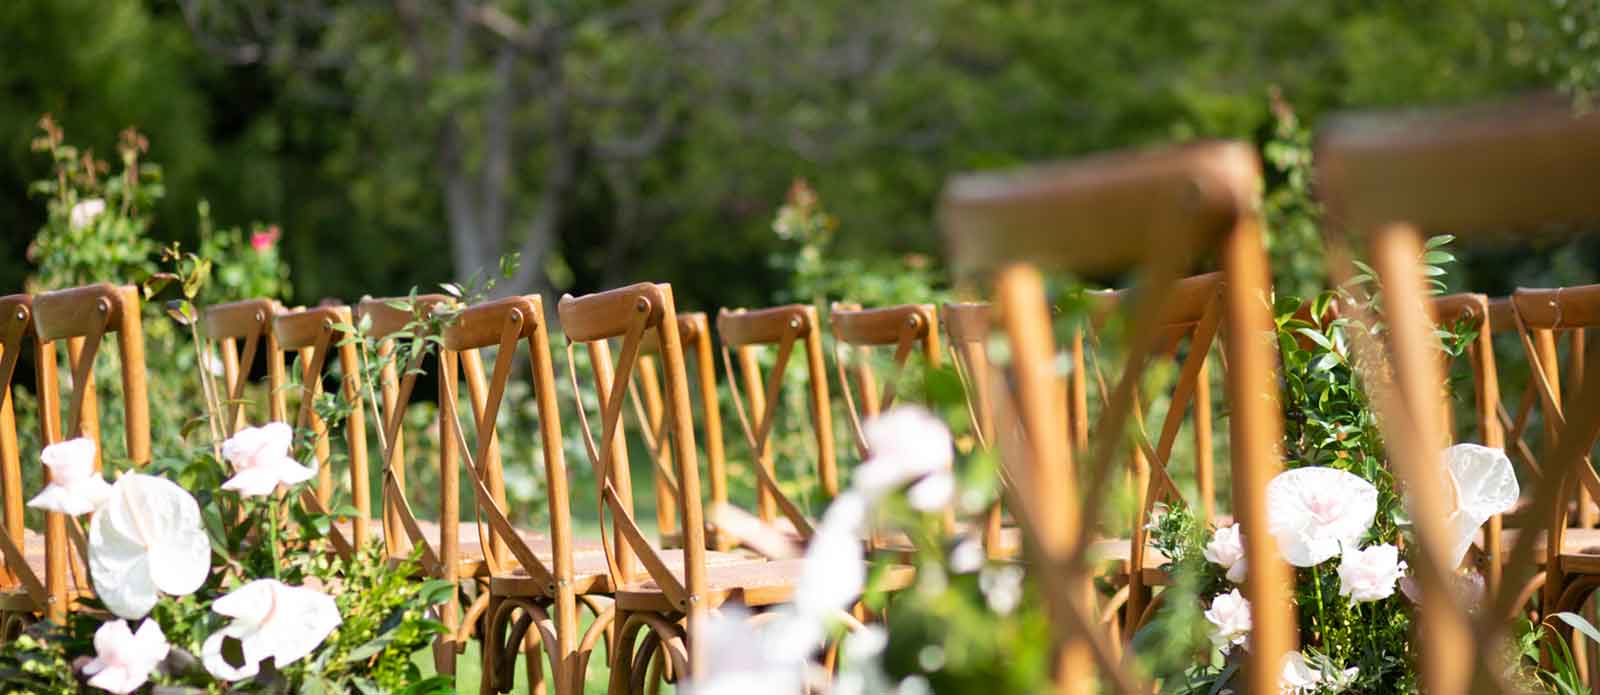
(1370,575)
(263,242)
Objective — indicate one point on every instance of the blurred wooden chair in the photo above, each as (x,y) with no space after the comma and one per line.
(313,335)
(1156,211)
(34,577)
(82,317)
(1391,178)
(856,331)
(223,327)
(968,326)
(667,600)
(649,408)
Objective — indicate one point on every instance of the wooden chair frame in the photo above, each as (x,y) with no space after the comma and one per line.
(223,327)
(1157,210)
(743,332)
(1520,166)
(907,327)
(315,334)
(27,589)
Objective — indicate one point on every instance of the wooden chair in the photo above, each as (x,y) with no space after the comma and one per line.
(34,577)
(907,327)
(666,600)
(1157,211)
(223,327)
(314,334)
(1489,170)
(968,328)
(82,317)
(743,332)
(540,579)
(649,408)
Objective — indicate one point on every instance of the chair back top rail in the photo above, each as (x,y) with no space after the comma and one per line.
(388,319)
(238,320)
(883,325)
(298,330)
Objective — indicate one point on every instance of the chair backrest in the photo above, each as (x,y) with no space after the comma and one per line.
(1484,170)
(506,323)
(1157,211)
(756,398)
(223,327)
(628,313)
(649,407)
(907,327)
(16,334)
(82,316)
(314,334)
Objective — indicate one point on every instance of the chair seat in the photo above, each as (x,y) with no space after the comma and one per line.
(1576,542)
(471,547)
(590,574)
(751,583)
(17,598)
(1114,555)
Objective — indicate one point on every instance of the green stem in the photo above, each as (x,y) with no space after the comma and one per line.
(1322,617)
(272,537)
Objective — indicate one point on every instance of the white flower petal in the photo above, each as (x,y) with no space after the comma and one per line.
(272,620)
(1485,485)
(933,493)
(147,537)
(218,666)
(253,482)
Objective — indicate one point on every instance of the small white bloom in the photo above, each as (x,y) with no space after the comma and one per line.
(261,461)
(271,620)
(967,556)
(1230,616)
(1002,587)
(84,212)
(834,570)
(1227,549)
(212,363)
(123,659)
(1316,512)
(1485,485)
(744,658)
(1299,677)
(1371,574)
(147,539)
(75,486)
(933,493)
(906,443)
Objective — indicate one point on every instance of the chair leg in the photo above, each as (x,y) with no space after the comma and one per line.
(533,662)
(490,638)
(621,654)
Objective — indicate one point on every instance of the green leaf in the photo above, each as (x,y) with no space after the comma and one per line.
(1437,241)
(1316,337)
(372,648)
(1438,257)
(435,591)
(1577,622)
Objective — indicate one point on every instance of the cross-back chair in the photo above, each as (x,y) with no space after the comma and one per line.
(32,578)
(538,582)
(649,407)
(757,397)
(1391,178)
(240,332)
(82,317)
(909,328)
(314,335)
(667,600)
(1157,211)
(968,327)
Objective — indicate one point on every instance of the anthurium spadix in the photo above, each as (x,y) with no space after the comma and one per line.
(146,540)
(1485,485)
(271,620)
(75,487)
(1316,512)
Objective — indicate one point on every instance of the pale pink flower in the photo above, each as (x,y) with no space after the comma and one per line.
(147,539)
(1230,619)
(906,444)
(75,487)
(1315,513)
(1370,574)
(85,212)
(261,461)
(123,658)
(1227,549)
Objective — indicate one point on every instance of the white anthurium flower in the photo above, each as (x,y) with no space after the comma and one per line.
(271,620)
(742,657)
(1229,615)
(1301,677)
(84,212)
(1316,512)
(1370,574)
(261,461)
(1485,485)
(1227,549)
(123,659)
(75,487)
(906,444)
(147,539)
(933,493)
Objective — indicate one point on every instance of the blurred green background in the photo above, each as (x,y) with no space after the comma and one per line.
(410,142)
